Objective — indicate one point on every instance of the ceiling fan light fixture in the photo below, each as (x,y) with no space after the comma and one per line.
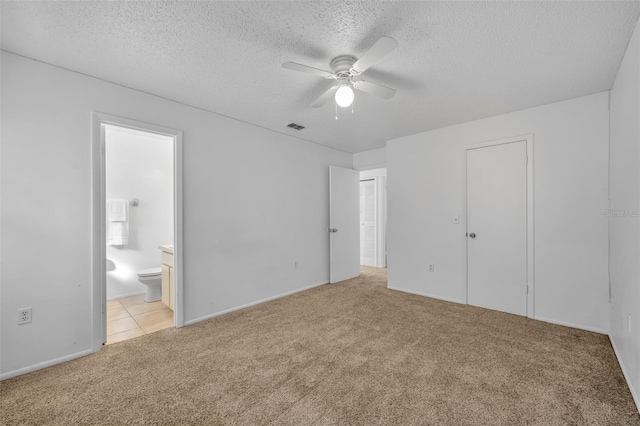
(344,96)
(344,68)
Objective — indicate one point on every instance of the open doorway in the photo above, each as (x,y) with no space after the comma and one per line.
(373,218)
(137,229)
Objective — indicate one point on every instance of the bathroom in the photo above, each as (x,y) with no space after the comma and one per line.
(139,197)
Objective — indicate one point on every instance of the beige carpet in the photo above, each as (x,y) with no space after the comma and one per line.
(353,353)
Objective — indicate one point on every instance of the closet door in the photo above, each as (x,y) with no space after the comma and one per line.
(368,220)
(497,227)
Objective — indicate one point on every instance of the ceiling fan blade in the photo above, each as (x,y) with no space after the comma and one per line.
(307,69)
(324,97)
(374,89)
(378,51)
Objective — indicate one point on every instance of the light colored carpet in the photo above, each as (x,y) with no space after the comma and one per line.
(353,353)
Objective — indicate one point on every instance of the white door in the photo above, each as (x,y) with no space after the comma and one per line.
(497,227)
(383,263)
(368,221)
(344,230)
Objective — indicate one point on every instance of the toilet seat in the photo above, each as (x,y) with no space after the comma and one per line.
(151,272)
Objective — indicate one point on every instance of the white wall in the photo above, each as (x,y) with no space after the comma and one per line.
(373,159)
(254,202)
(139,165)
(570,188)
(624,222)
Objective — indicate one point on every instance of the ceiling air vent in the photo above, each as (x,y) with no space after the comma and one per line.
(295,126)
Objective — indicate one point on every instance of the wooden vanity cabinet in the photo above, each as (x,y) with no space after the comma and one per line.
(167,279)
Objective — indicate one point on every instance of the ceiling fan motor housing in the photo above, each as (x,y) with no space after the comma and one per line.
(341,65)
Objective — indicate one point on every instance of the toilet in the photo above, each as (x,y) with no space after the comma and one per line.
(152,278)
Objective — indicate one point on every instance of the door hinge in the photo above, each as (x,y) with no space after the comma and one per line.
(527,289)
(526,159)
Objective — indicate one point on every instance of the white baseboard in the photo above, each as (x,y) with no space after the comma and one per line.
(66,358)
(634,394)
(448,299)
(569,324)
(42,365)
(432,296)
(122,296)
(257,302)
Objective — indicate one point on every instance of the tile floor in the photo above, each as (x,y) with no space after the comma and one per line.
(132,317)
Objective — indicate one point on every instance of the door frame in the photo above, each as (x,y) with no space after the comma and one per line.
(528,138)
(98,220)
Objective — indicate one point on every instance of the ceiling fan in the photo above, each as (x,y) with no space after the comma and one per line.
(345,69)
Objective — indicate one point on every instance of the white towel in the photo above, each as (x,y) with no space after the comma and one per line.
(117,210)
(117,225)
(117,233)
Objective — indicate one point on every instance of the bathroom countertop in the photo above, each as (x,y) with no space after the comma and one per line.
(167,248)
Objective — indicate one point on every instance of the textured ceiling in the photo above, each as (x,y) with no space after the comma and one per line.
(456,61)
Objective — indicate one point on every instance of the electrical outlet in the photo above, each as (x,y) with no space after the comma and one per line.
(456,219)
(432,267)
(24,316)
(295,264)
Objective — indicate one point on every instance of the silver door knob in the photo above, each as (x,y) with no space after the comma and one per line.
(333,230)
(472,235)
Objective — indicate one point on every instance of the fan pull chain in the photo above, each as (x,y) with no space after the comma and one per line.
(336,104)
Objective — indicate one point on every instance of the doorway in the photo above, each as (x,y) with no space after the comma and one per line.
(137,229)
(139,215)
(499,222)
(373,218)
